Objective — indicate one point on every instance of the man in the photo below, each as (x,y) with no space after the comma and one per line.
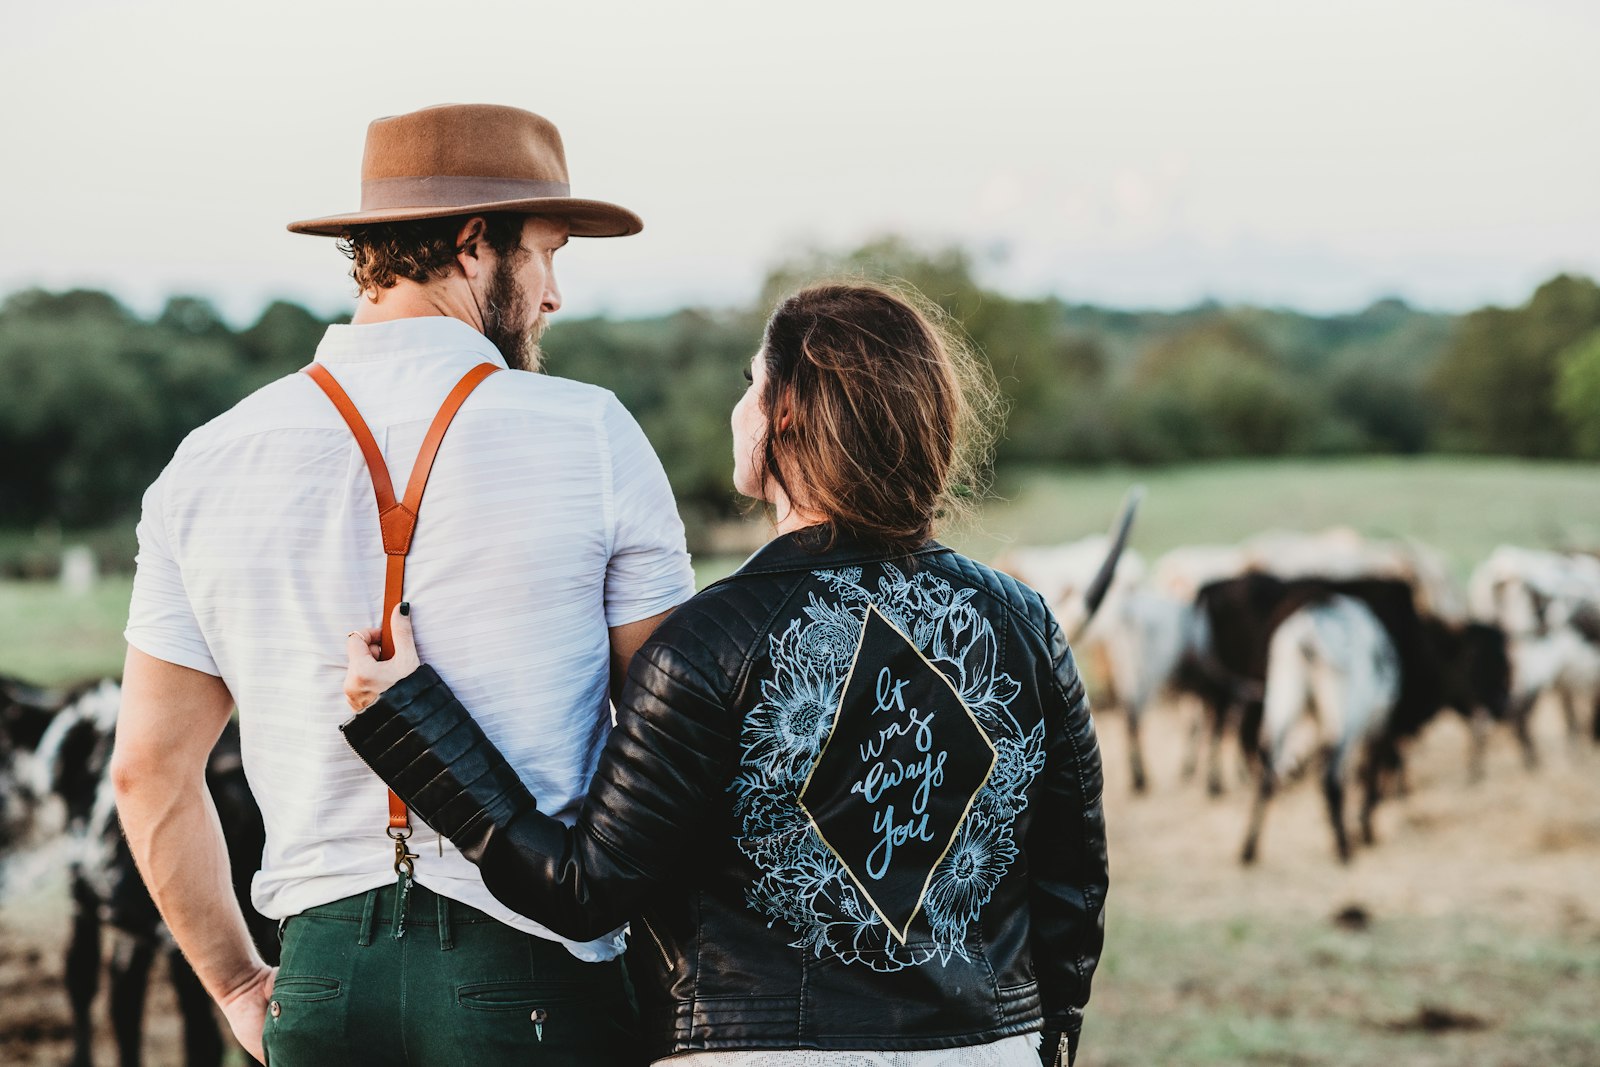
(546,550)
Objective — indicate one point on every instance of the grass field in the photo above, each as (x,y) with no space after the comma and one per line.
(1462,507)
(1472,936)
(48,637)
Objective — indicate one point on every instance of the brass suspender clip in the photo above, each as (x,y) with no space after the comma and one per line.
(402,855)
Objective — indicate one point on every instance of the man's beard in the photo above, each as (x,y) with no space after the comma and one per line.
(506,321)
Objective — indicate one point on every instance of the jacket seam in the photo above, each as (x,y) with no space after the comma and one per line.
(747,665)
(1083,810)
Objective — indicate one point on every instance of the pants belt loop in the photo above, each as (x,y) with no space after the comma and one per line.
(447,936)
(369,908)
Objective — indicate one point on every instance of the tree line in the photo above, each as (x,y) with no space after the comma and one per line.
(94,398)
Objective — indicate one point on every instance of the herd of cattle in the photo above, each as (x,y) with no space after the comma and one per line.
(1330,647)
(56,804)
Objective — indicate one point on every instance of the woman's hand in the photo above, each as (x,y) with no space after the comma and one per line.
(367,677)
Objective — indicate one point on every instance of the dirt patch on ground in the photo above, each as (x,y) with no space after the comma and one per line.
(1521,846)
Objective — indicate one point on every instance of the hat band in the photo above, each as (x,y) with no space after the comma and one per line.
(386,194)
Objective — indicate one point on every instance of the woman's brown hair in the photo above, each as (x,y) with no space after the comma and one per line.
(889,416)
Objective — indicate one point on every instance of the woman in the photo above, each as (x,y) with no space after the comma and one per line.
(852,800)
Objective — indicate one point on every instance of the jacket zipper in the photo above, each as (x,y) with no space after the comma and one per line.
(666,961)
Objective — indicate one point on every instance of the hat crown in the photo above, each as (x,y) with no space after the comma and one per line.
(464,140)
(458,159)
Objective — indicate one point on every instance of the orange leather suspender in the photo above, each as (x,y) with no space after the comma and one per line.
(398,521)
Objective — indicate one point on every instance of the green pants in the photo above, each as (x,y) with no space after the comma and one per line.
(456,987)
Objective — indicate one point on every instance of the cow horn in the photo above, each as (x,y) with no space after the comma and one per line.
(1101,585)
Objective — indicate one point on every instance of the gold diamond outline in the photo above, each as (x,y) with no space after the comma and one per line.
(800,797)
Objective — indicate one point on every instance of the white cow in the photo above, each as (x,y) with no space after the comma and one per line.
(1333,678)
(1548,604)
(1144,637)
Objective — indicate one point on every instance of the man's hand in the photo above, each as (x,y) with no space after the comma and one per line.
(368,677)
(246,1010)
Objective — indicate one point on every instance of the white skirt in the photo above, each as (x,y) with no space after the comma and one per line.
(1019,1051)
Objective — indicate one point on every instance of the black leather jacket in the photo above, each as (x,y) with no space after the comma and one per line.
(851,802)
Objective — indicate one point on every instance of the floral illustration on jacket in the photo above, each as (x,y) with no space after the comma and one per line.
(802,882)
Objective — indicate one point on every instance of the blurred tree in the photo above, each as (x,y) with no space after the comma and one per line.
(1497,379)
(1385,408)
(193,316)
(1578,395)
(93,401)
(1216,389)
(281,341)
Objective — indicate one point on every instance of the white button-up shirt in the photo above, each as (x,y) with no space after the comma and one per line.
(547,519)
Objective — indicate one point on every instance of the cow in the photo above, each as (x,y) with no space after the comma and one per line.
(69,763)
(1442,664)
(1530,592)
(1140,639)
(1330,658)
(1565,662)
(25,715)
(1143,637)
(1549,604)
(1373,688)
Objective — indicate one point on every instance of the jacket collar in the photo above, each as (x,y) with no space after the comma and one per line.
(809,549)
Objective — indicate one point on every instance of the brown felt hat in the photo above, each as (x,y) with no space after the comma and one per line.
(463,159)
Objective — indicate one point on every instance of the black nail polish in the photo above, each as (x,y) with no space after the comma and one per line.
(405,607)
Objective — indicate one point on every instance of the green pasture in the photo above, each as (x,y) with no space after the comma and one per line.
(1462,507)
(49,637)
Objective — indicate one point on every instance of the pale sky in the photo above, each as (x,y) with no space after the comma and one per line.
(1130,152)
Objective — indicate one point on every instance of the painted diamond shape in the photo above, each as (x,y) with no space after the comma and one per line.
(901,765)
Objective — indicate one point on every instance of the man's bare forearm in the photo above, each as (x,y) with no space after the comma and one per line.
(170,718)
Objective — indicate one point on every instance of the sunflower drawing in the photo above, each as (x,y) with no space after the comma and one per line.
(966,878)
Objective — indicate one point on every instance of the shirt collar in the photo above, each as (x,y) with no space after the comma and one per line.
(414,338)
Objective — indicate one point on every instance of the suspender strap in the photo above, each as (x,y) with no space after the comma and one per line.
(397,518)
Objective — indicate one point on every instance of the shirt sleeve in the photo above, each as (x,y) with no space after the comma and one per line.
(161,621)
(649,571)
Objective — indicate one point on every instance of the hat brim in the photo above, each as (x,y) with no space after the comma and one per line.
(588,218)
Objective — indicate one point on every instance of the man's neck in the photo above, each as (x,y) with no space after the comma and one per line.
(412,300)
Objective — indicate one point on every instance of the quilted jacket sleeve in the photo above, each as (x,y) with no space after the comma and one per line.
(1066,851)
(657,786)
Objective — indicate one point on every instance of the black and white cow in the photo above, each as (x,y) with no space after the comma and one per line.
(69,761)
(1333,681)
(1441,665)
(1549,605)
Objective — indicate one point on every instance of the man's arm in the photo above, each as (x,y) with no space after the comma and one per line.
(625,641)
(171,717)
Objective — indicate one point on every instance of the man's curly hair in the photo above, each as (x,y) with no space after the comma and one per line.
(384,252)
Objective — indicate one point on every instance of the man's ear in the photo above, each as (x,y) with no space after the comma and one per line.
(468,240)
